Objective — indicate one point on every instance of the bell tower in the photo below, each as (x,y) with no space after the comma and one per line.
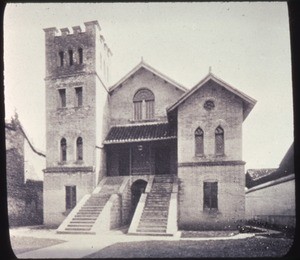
(77,74)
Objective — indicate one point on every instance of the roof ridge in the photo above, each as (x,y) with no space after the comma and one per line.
(140,124)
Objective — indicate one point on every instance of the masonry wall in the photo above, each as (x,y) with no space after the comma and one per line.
(121,100)
(55,194)
(228,113)
(274,204)
(87,121)
(231,198)
(227,169)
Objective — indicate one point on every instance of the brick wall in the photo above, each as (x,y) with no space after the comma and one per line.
(194,170)
(274,204)
(54,193)
(121,100)
(231,197)
(228,113)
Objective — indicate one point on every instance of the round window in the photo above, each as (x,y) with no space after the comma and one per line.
(209,105)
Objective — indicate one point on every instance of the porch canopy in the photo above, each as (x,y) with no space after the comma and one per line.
(140,133)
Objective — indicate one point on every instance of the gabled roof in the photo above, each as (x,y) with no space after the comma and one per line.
(140,133)
(146,66)
(248,101)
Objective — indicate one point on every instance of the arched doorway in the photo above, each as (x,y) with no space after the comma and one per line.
(137,188)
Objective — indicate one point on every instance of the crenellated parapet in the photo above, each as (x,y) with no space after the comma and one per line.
(77,49)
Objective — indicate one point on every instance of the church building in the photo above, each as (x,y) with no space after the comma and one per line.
(145,152)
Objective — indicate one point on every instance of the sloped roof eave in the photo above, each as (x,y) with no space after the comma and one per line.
(151,69)
(248,101)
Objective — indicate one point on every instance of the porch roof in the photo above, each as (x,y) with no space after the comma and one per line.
(140,133)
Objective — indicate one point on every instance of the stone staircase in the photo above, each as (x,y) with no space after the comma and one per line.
(154,219)
(83,217)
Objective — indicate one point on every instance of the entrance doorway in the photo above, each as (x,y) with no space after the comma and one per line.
(137,188)
(162,160)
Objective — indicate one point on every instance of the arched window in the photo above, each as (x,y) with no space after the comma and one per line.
(79,149)
(63,149)
(219,140)
(199,147)
(80,55)
(61,57)
(143,102)
(71,57)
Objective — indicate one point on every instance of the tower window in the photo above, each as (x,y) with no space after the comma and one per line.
(143,102)
(79,149)
(199,147)
(71,57)
(219,140)
(70,197)
(210,195)
(62,97)
(63,149)
(61,58)
(78,92)
(80,54)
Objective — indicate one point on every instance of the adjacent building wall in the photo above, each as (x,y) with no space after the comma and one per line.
(273,202)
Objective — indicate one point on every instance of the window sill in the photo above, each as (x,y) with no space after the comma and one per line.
(212,212)
(62,163)
(79,162)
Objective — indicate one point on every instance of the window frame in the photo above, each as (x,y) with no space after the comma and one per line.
(63,149)
(199,142)
(79,149)
(143,105)
(79,98)
(70,197)
(71,57)
(61,55)
(62,92)
(210,196)
(219,147)
(80,55)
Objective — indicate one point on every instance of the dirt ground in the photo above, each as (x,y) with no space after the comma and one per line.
(250,247)
(24,244)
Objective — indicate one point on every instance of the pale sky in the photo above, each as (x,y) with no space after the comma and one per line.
(246,44)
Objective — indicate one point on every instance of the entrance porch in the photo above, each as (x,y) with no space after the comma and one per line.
(148,149)
(142,158)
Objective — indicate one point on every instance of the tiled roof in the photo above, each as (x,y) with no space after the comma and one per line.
(256,174)
(137,133)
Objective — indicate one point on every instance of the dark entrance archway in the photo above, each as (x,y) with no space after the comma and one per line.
(137,188)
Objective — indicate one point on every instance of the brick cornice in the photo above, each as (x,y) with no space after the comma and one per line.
(68,169)
(211,163)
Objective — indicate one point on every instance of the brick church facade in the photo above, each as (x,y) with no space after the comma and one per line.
(145,152)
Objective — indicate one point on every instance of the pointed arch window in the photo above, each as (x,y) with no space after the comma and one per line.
(79,149)
(219,140)
(199,147)
(63,149)
(143,102)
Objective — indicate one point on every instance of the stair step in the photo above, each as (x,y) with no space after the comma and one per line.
(80,225)
(77,228)
(143,223)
